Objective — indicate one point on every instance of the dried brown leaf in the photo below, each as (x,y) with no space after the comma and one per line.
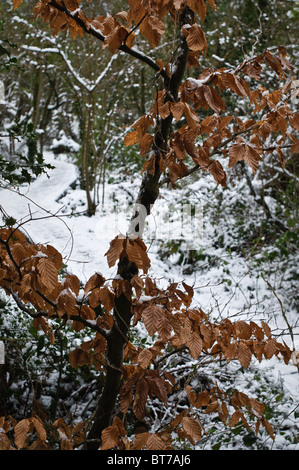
(192,429)
(21,430)
(115,250)
(154,442)
(95,281)
(144,358)
(16,3)
(140,398)
(194,344)
(152,29)
(235,418)
(196,39)
(48,273)
(217,171)
(244,355)
(110,437)
(270,348)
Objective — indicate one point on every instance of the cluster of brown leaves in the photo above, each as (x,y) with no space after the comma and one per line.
(220,134)
(231,409)
(31,274)
(169,315)
(132,248)
(118,30)
(34,434)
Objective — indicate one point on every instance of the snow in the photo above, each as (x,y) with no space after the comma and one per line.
(55,215)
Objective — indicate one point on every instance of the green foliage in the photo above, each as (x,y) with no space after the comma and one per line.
(6,59)
(22,168)
(38,374)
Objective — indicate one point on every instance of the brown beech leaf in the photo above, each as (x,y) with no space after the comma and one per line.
(116,38)
(137,11)
(216,169)
(240,151)
(177,109)
(110,437)
(199,7)
(144,358)
(107,298)
(67,303)
(194,344)
(191,116)
(131,138)
(141,392)
(152,29)
(141,440)
(203,399)
(235,418)
(18,252)
(266,329)
(192,429)
(78,357)
(151,318)
(48,273)
(95,281)
(244,355)
(16,3)
(294,121)
(243,329)
(136,252)
(213,99)
(21,430)
(268,428)
(196,39)
(39,427)
(154,442)
(73,282)
(53,255)
(270,348)
(252,157)
(115,250)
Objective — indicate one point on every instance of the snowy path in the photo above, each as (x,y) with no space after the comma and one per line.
(83,241)
(38,200)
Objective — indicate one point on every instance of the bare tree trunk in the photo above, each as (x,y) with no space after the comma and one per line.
(85,159)
(147,196)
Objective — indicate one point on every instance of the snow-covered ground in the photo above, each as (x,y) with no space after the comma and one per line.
(55,215)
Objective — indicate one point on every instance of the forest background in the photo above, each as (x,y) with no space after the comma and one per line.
(68,105)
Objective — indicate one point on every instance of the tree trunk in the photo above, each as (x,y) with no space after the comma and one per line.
(85,160)
(147,196)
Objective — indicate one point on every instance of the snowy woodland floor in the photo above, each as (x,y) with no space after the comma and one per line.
(225,283)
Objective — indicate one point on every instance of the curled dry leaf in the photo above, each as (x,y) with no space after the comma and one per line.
(196,39)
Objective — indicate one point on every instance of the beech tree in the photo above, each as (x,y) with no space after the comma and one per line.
(176,141)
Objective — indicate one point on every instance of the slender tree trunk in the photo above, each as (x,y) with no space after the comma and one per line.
(37,94)
(147,196)
(85,162)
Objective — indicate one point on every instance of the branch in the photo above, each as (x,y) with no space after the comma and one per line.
(215,151)
(98,35)
(282,311)
(56,50)
(89,323)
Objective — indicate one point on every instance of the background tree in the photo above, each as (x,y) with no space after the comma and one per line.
(176,141)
